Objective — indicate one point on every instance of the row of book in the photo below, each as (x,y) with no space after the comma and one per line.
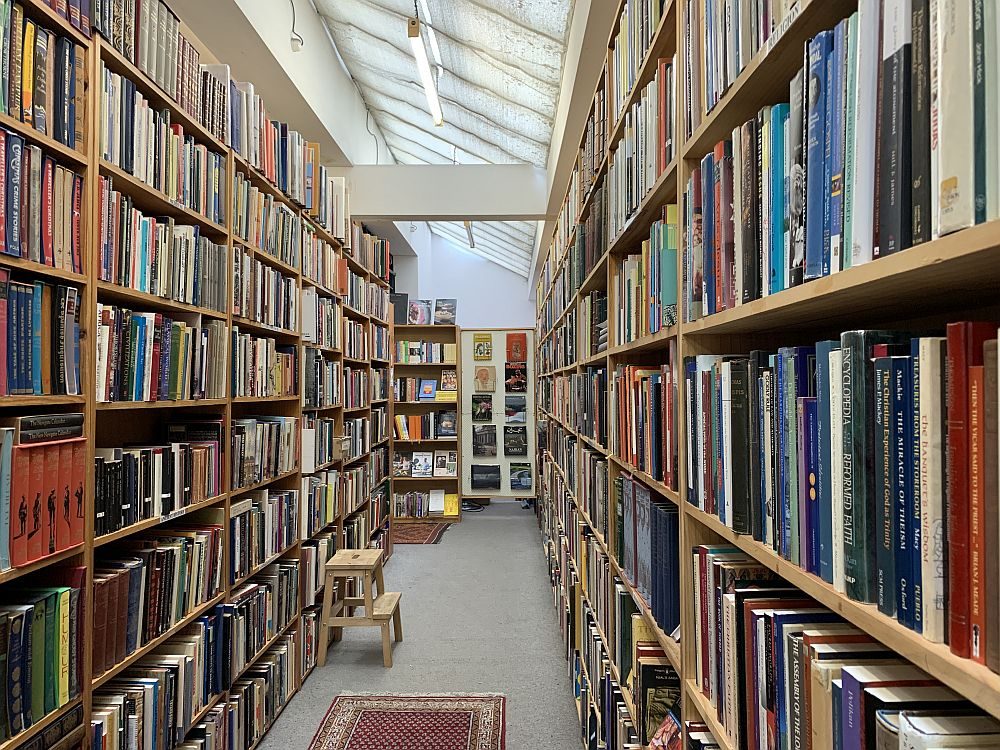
(258,610)
(646,282)
(593,490)
(262,368)
(591,241)
(265,222)
(39,338)
(321,503)
(868,461)
(43,82)
(380,383)
(143,142)
(148,588)
(135,484)
(644,411)
(145,356)
(262,525)
(435,425)
(321,262)
(42,475)
(320,319)
(590,415)
(43,204)
(848,170)
(377,306)
(593,324)
(321,380)
(357,391)
(425,464)
(380,342)
(156,255)
(379,466)
(358,432)
(357,291)
(783,671)
(595,140)
(320,444)
(263,448)
(42,649)
(263,294)
(645,150)
(315,554)
(370,251)
(424,503)
(355,340)
(356,486)
(637,28)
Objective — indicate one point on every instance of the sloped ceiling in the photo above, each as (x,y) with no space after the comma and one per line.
(498,80)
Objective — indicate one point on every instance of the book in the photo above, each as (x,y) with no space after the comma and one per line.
(445,312)
(520,477)
(419,312)
(428,389)
(515,441)
(517,347)
(484,440)
(482,407)
(515,377)
(422,464)
(485,477)
(484,378)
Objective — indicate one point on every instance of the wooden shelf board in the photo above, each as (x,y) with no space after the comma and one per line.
(12,574)
(960,268)
(152,523)
(321,289)
(18,401)
(597,277)
(265,399)
(19,739)
(108,290)
(658,340)
(182,404)
(62,152)
(663,191)
(351,312)
(706,710)
(257,569)
(263,483)
(268,259)
(39,269)
(252,326)
(653,484)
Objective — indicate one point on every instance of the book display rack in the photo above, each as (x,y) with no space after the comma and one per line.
(678,465)
(207,391)
(426,429)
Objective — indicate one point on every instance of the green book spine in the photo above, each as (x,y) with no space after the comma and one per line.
(38,655)
(51,614)
(979,107)
(851,100)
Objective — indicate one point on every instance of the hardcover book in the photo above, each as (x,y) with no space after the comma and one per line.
(485,378)
(445,312)
(419,313)
(482,347)
(484,440)
(520,477)
(482,407)
(485,477)
(517,347)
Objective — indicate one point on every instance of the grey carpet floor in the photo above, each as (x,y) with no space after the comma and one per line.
(477,618)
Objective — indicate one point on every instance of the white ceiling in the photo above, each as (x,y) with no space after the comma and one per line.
(501,68)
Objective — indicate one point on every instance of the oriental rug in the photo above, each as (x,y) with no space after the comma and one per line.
(418,533)
(413,722)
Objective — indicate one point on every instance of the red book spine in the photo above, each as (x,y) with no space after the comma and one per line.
(977,518)
(77,482)
(20,505)
(67,506)
(718,219)
(3,190)
(703,605)
(4,281)
(52,453)
(48,255)
(964,350)
(75,240)
(37,537)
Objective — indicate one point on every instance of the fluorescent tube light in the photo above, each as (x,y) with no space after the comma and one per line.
(468,231)
(431,36)
(424,68)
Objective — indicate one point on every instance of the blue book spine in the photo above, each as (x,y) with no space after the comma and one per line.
(765,434)
(34,330)
(836,135)
(916,578)
(824,469)
(902,483)
(140,357)
(779,113)
(837,714)
(883,438)
(803,382)
(15,146)
(708,231)
(819,51)
(809,472)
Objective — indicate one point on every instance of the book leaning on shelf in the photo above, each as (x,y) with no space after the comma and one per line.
(145,356)
(42,477)
(157,256)
(42,648)
(42,206)
(142,591)
(836,176)
(143,142)
(907,531)
(39,338)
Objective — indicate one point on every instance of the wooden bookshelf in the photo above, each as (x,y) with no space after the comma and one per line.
(123,423)
(440,334)
(951,278)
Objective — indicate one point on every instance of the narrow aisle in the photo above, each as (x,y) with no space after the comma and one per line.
(477,618)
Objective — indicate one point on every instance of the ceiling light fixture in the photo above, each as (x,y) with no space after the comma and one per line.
(432,38)
(424,68)
(468,231)
(296,38)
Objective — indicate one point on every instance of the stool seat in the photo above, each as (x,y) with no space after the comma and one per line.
(380,607)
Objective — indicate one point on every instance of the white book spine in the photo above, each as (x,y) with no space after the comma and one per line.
(866,98)
(729,644)
(727,442)
(738,211)
(932,512)
(955,181)
(836,461)
(932,28)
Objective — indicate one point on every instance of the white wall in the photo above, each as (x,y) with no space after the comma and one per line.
(488,296)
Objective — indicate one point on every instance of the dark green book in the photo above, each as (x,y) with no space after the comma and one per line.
(860,519)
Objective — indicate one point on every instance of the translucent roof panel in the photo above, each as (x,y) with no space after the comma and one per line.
(498,66)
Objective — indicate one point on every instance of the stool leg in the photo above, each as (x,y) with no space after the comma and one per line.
(386,646)
(338,633)
(324,627)
(397,624)
(378,577)
(369,594)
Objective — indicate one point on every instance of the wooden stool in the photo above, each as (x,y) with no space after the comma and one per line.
(380,606)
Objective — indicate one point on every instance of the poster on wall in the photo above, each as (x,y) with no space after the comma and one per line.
(498,413)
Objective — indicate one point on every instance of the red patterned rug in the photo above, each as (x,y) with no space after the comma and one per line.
(413,722)
(418,533)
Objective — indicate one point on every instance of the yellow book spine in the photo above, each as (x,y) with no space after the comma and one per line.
(64,646)
(28,72)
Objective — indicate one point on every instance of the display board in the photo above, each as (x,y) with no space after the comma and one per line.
(498,413)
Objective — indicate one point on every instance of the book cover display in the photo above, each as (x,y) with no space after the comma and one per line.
(498,369)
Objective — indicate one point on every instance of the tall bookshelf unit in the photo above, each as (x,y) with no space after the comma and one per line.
(116,424)
(436,334)
(919,288)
